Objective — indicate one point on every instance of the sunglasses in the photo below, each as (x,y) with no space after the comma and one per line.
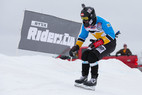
(84,18)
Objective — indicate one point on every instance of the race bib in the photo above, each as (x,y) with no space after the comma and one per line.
(101,49)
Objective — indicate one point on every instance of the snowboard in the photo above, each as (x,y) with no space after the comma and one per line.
(85,87)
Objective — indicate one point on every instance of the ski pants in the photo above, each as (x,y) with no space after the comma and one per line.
(94,55)
(90,58)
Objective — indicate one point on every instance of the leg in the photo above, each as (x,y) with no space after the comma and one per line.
(85,54)
(85,72)
(85,64)
(94,56)
(94,71)
(92,59)
(85,69)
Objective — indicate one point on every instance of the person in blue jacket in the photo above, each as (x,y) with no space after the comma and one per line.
(103,44)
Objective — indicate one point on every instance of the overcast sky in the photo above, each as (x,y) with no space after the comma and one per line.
(124,15)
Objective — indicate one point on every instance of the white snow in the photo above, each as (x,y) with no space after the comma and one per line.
(43,75)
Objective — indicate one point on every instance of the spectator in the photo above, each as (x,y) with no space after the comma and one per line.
(124,51)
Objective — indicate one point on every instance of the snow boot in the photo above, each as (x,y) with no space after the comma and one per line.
(91,82)
(79,82)
(90,85)
(83,78)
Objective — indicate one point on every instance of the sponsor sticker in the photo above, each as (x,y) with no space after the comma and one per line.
(82,14)
(108,25)
(101,48)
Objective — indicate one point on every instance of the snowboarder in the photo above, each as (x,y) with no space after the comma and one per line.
(103,44)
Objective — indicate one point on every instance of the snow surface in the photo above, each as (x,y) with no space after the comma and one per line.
(43,75)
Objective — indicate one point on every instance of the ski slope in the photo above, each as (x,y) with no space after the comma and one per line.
(43,75)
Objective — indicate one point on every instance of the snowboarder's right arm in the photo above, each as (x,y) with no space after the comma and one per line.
(82,36)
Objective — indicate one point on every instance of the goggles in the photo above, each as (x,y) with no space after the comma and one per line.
(84,18)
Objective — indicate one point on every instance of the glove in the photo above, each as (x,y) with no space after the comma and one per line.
(91,45)
(73,50)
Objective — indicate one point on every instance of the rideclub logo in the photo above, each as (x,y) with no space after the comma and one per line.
(48,34)
(37,34)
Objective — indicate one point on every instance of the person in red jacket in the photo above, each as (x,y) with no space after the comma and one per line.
(125,51)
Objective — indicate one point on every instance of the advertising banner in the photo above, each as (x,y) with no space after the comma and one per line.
(48,34)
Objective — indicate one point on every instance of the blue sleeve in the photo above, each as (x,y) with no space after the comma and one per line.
(84,33)
(106,26)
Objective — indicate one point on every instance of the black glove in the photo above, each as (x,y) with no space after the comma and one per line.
(91,45)
(73,50)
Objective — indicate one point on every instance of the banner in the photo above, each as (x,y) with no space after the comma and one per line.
(48,34)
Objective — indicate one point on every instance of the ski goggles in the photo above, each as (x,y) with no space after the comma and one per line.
(84,18)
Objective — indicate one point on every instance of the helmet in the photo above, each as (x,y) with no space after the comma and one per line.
(88,16)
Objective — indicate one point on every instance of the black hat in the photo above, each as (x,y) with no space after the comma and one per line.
(125,45)
(88,13)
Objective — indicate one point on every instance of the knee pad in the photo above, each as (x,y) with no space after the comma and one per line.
(92,57)
(85,54)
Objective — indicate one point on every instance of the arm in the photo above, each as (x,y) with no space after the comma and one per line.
(106,26)
(118,52)
(129,52)
(82,36)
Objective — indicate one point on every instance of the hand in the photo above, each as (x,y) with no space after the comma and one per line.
(128,54)
(91,45)
(73,50)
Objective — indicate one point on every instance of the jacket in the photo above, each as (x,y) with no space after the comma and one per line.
(101,30)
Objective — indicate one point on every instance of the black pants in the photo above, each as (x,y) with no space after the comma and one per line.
(94,55)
